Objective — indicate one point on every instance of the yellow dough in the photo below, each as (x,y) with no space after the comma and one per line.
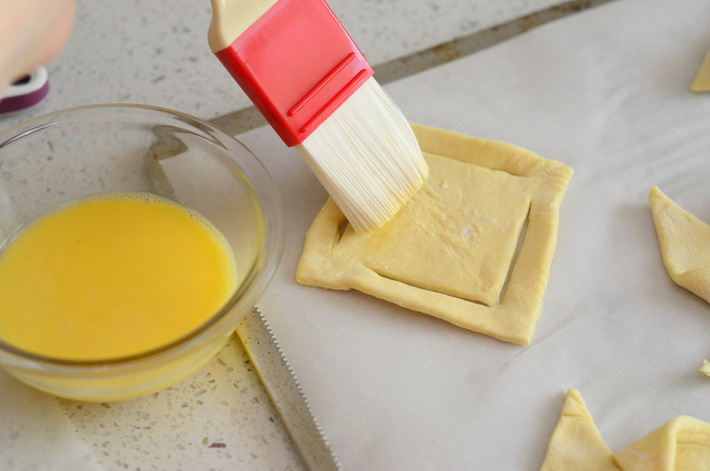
(705,369)
(702,78)
(682,444)
(472,247)
(685,244)
(685,247)
(576,444)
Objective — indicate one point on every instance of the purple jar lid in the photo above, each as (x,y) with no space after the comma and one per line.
(25,92)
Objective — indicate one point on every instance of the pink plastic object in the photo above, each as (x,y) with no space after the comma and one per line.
(25,93)
(297,64)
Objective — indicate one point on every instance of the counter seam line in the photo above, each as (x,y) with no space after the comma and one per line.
(249,118)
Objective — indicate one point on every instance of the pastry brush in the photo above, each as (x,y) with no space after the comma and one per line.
(301,69)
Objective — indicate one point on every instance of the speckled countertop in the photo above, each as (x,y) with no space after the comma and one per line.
(155,53)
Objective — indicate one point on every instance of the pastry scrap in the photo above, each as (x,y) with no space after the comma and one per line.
(685,247)
(473,247)
(576,444)
(685,244)
(682,444)
(702,78)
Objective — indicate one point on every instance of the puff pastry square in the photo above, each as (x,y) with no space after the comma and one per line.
(473,247)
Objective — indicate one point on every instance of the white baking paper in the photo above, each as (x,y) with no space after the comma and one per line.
(606,92)
(35,434)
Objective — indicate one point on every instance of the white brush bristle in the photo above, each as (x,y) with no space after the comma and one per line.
(367,157)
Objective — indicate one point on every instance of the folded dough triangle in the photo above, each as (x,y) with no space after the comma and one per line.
(682,444)
(702,78)
(576,444)
(685,244)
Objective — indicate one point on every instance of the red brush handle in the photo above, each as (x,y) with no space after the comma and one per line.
(297,64)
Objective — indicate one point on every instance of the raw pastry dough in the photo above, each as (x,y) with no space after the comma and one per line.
(685,244)
(451,251)
(682,444)
(702,78)
(685,247)
(576,444)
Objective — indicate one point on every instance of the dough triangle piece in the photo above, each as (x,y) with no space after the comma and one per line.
(682,444)
(702,79)
(705,369)
(685,244)
(576,444)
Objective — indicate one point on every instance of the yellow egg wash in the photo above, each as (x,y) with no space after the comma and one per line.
(112,276)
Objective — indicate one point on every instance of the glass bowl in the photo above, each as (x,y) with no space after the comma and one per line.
(80,152)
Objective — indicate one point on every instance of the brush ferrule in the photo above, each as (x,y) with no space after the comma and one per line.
(297,64)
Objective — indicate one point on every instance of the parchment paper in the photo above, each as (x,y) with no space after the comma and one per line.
(607,93)
(35,433)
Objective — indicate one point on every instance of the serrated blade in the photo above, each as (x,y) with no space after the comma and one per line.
(282,385)
(255,334)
